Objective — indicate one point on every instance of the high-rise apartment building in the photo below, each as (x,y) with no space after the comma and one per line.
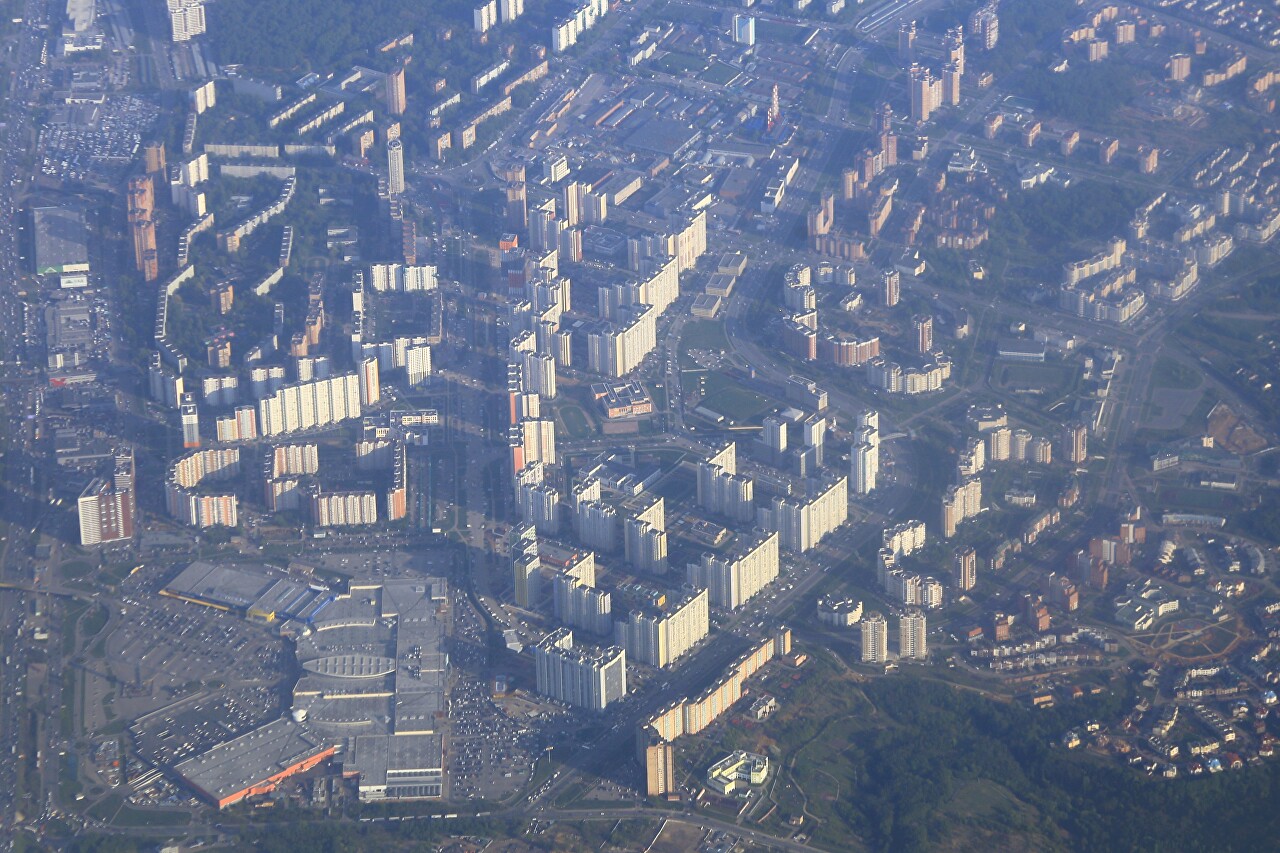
(803,522)
(306,405)
(864,467)
(645,538)
(417,364)
(960,503)
(965,570)
(539,373)
(616,349)
(922,325)
(395,92)
(1075,443)
(1148,159)
(395,167)
(587,678)
(744,30)
(533,440)
(875,638)
(953,48)
(906,41)
(911,635)
(581,605)
(540,506)
(485,16)
(984,25)
(926,93)
(107,505)
(950,84)
(1000,444)
(732,579)
(722,490)
(597,525)
(190,416)
(191,473)
(341,509)
(186,19)
(890,288)
(509,10)
(660,639)
(526,565)
(370,382)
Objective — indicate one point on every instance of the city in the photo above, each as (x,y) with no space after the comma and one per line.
(639,425)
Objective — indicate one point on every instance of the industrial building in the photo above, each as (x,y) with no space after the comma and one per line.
(61,245)
(254,763)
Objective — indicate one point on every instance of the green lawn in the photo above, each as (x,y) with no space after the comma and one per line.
(681,64)
(720,74)
(1174,374)
(1051,379)
(75,568)
(575,421)
(704,334)
(783,33)
(94,622)
(736,403)
(150,817)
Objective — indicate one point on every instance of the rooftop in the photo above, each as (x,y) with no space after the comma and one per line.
(229,770)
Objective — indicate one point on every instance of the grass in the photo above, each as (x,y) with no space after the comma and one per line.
(784,33)
(726,397)
(704,334)
(94,622)
(720,74)
(106,808)
(1048,378)
(150,817)
(117,572)
(69,619)
(1197,499)
(1174,374)
(76,568)
(681,64)
(575,421)
(68,784)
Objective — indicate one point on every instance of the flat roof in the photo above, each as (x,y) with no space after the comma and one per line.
(376,678)
(664,136)
(232,768)
(403,758)
(249,587)
(61,240)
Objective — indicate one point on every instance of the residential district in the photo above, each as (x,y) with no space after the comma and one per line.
(507,413)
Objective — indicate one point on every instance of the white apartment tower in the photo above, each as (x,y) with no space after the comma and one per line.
(721,490)
(911,635)
(581,605)
(733,579)
(395,167)
(586,678)
(597,525)
(540,506)
(186,19)
(864,468)
(645,538)
(306,405)
(659,639)
(190,416)
(875,638)
(802,524)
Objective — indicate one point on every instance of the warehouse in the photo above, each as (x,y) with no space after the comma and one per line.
(61,244)
(254,763)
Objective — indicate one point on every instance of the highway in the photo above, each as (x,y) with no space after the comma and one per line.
(19,508)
